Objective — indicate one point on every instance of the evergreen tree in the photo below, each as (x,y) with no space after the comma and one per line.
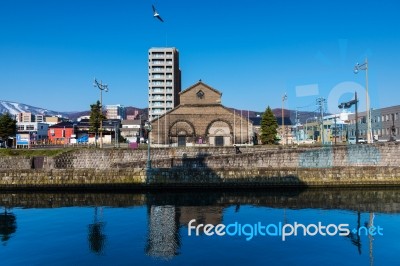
(269,127)
(96,116)
(8,126)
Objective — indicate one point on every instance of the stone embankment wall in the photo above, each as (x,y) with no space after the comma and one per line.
(214,158)
(298,157)
(132,178)
(72,178)
(357,165)
(111,158)
(15,162)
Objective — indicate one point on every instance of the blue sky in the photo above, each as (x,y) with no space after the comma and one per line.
(253,51)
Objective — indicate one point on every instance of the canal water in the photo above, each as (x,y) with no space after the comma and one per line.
(263,227)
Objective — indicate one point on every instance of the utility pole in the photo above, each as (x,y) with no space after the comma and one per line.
(234,126)
(356,109)
(297,125)
(284,98)
(335,129)
(321,105)
(241,127)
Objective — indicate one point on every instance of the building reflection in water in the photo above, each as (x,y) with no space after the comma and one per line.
(163,240)
(202,214)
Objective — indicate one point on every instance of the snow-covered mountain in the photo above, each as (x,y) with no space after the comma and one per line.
(14,108)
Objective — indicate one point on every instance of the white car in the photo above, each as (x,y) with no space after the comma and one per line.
(352,140)
(305,141)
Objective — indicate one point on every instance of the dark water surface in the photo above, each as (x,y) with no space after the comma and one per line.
(152,228)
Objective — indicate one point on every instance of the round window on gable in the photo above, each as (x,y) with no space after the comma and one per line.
(200,94)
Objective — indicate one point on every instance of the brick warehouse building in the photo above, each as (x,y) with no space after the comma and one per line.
(201,119)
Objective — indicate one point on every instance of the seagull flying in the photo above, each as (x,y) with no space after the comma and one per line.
(156,15)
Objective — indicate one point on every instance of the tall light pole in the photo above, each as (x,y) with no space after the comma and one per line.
(241,119)
(297,125)
(284,98)
(148,127)
(102,87)
(357,68)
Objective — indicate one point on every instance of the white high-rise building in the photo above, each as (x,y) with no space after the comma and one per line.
(164,80)
(116,111)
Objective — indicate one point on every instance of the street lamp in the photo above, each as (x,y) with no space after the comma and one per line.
(102,87)
(148,127)
(357,68)
(284,98)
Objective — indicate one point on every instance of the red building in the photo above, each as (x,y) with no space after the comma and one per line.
(61,133)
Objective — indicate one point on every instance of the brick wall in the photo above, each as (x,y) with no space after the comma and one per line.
(197,121)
